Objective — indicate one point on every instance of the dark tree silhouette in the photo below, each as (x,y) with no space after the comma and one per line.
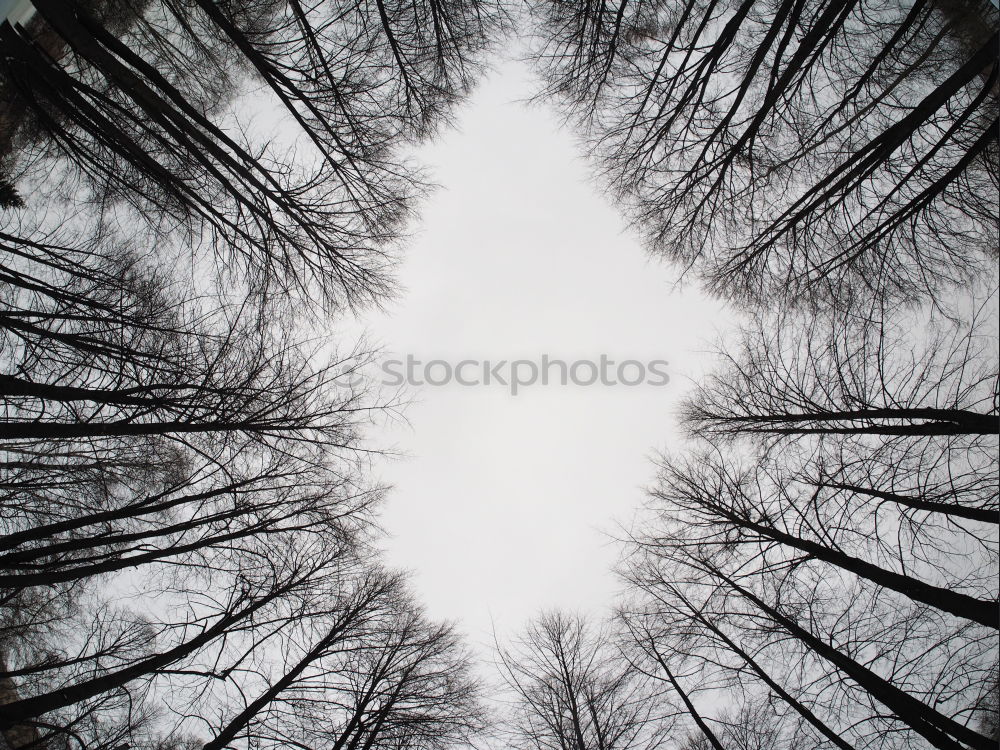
(572,687)
(827,545)
(54,694)
(845,665)
(187,552)
(101,350)
(831,151)
(133,99)
(387,677)
(839,374)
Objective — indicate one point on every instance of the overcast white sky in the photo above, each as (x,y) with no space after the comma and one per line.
(503,505)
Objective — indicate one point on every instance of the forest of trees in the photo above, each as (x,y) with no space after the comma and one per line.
(188,530)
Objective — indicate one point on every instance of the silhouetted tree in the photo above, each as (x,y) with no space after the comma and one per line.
(103,353)
(386,678)
(574,689)
(185,532)
(905,376)
(134,101)
(224,607)
(752,727)
(828,545)
(832,151)
(844,665)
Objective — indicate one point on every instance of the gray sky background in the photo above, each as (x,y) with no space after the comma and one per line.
(503,504)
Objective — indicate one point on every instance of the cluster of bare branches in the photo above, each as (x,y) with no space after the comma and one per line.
(573,687)
(786,150)
(129,98)
(187,534)
(831,548)
(819,568)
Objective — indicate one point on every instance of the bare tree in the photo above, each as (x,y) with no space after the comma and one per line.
(751,727)
(828,545)
(98,345)
(58,694)
(905,376)
(835,151)
(386,678)
(860,618)
(841,665)
(133,101)
(573,689)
